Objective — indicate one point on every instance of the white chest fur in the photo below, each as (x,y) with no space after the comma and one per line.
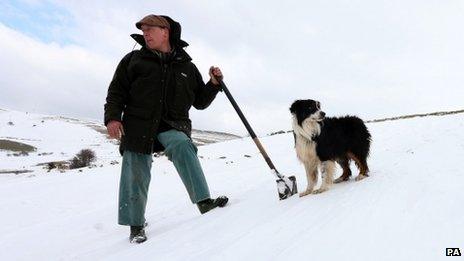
(304,145)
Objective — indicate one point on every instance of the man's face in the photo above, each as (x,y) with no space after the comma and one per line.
(155,36)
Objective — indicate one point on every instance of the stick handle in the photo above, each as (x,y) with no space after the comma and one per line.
(247,126)
(237,109)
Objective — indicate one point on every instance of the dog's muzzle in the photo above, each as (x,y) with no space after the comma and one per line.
(321,115)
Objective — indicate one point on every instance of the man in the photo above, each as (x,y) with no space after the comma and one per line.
(147,108)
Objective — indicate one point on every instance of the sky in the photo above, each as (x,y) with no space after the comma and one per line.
(369,58)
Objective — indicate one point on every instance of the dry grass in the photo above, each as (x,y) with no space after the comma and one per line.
(438,113)
(16,146)
(16,172)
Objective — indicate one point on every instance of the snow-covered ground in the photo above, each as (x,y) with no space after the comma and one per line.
(409,209)
(59,138)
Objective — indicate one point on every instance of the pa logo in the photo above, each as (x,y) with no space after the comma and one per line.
(453,251)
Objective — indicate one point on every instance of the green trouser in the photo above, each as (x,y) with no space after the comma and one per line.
(135,176)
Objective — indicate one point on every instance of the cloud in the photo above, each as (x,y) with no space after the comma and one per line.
(40,20)
(50,78)
(369,58)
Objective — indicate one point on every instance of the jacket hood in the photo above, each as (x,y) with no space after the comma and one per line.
(174,34)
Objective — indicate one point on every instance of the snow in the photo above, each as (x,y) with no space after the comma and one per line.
(410,208)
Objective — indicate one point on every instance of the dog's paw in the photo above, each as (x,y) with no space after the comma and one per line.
(307,192)
(360,177)
(319,191)
(341,179)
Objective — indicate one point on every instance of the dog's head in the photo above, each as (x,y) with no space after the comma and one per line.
(307,109)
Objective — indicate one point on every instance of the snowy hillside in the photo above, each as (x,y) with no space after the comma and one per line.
(409,209)
(56,139)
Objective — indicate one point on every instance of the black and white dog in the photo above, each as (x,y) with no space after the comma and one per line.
(320,142)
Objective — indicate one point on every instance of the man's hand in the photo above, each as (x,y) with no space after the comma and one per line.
(215,74)
(115,129)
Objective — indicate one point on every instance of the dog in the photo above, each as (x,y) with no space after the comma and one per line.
(321,141)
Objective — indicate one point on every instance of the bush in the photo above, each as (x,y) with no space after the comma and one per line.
(50,166)
(83,159)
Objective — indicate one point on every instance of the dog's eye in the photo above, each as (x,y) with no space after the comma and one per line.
(318,105)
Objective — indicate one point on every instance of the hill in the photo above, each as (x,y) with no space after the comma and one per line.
(409,209)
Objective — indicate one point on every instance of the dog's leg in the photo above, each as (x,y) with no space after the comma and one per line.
(311,177)
(363,171)
(362,166)
(345,164)
(327,171)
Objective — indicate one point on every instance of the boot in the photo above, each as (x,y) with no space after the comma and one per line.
(137,235)
(208,204)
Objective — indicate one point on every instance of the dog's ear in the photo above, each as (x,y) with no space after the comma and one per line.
(294,106)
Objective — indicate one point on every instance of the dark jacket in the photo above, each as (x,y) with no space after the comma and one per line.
(147,89)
